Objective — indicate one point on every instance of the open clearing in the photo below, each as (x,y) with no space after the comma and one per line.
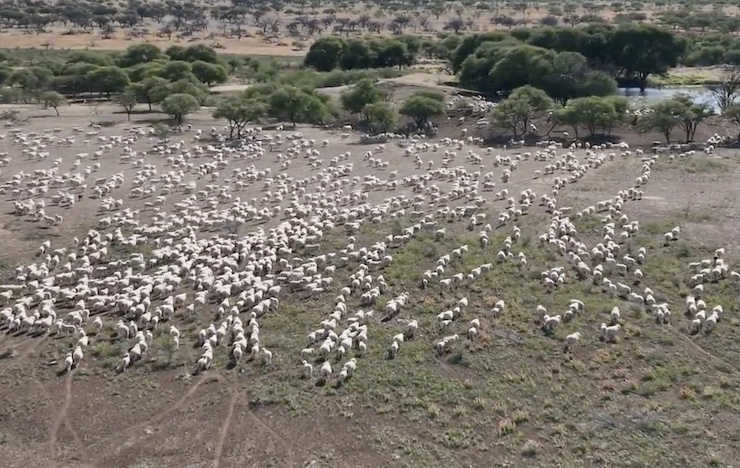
(658,395)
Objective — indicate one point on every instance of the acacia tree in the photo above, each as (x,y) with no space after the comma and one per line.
(380,117)
(727,91)
(360,95)
(128,101)
(678,112)
(239,113)
(692,116)
(421,107)
(663,119)
(53,99)
(517,111)
(594,113)
(179,105)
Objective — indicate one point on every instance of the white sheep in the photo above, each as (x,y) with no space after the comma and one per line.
(307,369)
(609,333)
(571,340)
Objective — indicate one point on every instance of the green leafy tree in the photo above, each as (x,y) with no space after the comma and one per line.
(421,108)
(360,95)
(380,117)
(470,44)
(663,118)
(593,113)
(53,99)
(641,50)
(239,113)
(325,54)
(193,53)
(732,113)
(179,105)
(393,53)
(144,90)
(32,79)
(520,65)
(5,72)
(294,104)
(678,112)
(128,101)
(176,70)
(209,73)
(107,80)
(517,111)
(357,54)
(139,53)
(162,132)
(692,115)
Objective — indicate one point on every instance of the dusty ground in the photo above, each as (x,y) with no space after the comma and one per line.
(659,396)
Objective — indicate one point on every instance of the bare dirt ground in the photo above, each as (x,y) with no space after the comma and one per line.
(658,396)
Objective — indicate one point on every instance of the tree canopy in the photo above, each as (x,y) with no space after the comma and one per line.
(421,107)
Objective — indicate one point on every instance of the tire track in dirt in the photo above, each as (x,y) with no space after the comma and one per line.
(62,415)
(224,431)
(289,450)
(154,420)
(317,425)
(66,421)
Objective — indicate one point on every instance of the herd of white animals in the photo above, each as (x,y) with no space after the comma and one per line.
(189,257)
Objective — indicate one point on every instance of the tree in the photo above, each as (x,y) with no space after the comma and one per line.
(727,91)
(164,88)
(641,50)
(194,53)
(5,72)
(179,105)
(421,108)
(732,113)
(363,93)
(470,44)
(163,132)
(140,53)
(294,104)
(128,101)
(239,113)
(380,117)
(32,79)
(664,118)
(176,70)
(692,116)
(393,53)
(209,73)
(53,99)
(325,54)
(517,111)
(357,54)
(590,112)
(107,80)
(144,89)
(521,65)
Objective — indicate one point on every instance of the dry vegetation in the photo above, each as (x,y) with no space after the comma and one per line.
(660,396)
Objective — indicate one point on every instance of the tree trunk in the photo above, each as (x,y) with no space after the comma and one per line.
(643,82)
